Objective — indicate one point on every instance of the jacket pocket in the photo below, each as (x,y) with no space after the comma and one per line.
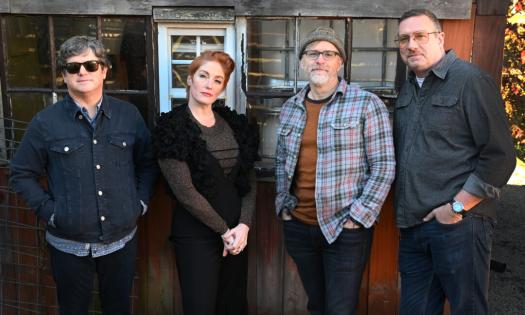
(443,112)
(344,133)
(68,153)
(122,148)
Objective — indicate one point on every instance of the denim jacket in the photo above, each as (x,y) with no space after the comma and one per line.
(96,177)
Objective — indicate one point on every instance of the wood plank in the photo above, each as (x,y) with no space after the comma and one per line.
(252,266)
(459,35)
(194,14)
(159,286)
(451,9)
(269,253)
(493,7)
(487,51)
(383,295)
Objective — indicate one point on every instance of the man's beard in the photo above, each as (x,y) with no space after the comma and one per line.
(319,78)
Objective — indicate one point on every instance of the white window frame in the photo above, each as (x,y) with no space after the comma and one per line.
(166,30)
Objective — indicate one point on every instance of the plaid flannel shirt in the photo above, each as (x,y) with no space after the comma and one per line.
(355,163)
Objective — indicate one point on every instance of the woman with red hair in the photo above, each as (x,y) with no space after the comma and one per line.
(206,154)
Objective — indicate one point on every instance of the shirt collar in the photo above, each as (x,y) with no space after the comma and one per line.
(341,89)
(441,68)
(74,108)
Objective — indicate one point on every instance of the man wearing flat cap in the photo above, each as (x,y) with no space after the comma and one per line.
(334,166)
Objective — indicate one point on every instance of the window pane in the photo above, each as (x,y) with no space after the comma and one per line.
(367,33)
(391,61)
(366,67)
(66,27)
(271,59)
(24,107)
(28,57)
(183,47)
(392,26)
(125,42)
(212,43)
(266,112)
(179,75)
(269,70)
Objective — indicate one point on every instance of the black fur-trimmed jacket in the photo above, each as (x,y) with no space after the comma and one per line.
(177,136)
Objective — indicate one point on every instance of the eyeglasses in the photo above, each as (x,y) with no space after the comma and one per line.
(419,37)
(327,54)
(90,66)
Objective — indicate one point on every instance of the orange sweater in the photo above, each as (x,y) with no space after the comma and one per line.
(304,181)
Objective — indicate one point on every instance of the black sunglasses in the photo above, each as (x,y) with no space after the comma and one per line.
(90,66)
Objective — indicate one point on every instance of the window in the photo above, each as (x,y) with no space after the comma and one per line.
(178,46)
(272,49)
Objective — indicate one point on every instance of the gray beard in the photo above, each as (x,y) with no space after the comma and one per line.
(319,79)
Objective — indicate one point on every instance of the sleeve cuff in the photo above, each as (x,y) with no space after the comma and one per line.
(46,210)
(478,187)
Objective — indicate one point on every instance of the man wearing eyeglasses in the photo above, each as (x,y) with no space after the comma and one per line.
(334,167)
(96,153)
(454,153)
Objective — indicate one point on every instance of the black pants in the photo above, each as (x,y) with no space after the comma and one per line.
(74,279)
(211,284)
(331,273)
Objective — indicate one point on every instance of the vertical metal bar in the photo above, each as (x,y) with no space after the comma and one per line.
(6,108)
(52,51)
(348,49)
(384,52)
(99,28)
(151,69)
(297,57)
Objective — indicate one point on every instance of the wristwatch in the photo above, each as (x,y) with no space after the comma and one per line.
(458,207)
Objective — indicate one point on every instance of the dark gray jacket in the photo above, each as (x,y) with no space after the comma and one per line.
(450,134)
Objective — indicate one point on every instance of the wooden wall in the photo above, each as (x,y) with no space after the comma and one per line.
(454,9)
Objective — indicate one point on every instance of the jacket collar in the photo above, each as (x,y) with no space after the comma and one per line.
(73,109)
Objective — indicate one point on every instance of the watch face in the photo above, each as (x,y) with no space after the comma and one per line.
(457,207)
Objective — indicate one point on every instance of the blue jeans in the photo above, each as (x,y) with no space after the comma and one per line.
(439,261)
(331,273)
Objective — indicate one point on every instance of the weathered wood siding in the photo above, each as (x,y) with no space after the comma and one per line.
(451,9)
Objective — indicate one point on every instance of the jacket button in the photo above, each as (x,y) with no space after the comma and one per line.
(102,218)
(66,149)
(124,144)
(80,117)
(98,166)
(289,177)
(100,193)
(94,141)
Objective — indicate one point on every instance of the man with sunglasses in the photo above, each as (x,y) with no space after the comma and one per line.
(454,153)
(334,167)
(96,153)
